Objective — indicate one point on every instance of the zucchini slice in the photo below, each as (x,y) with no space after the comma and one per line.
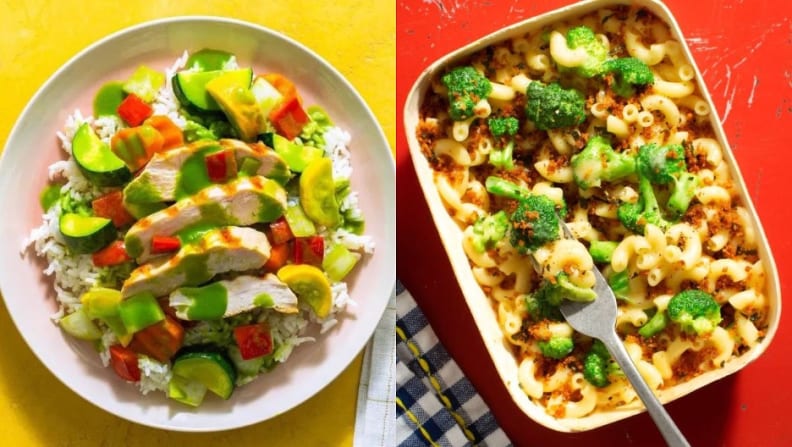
(86,234)
(78,324)
(186,391)
(209,59)
(246,368)
(317,193)
(95,159)
(190,87)
(211,369)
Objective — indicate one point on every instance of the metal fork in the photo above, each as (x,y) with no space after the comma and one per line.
(597,319)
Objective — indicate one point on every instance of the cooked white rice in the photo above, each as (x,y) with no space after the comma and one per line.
(166,103)
(154,375)
(76,274)
(336,147)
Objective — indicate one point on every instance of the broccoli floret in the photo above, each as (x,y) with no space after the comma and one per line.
(544,302)
(657,323)
(556,347)
(555,292)
(504,188)
(72,204)
(620,284)
(635,216)
(598,348)
(573,292)
(596,365)
(602,251)
(551,106)
(595,370)
(584,37)
(504,129)
(466,87)
(683,192)
(661,164)
(503,125)
(502,158)
(695,311)
(628,72)
(665,165)
(598,162)
(534,223)
(489,230)
(539,309)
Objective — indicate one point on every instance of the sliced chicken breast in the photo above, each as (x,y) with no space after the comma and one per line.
(227,249)
(244,201)
(159,180)
(232,297)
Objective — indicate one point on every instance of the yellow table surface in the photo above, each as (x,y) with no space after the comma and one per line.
(37,37)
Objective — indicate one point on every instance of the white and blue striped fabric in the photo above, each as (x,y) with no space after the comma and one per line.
(375,419)
(435,404)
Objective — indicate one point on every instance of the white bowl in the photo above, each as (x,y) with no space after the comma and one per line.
(480,306)
(32,146)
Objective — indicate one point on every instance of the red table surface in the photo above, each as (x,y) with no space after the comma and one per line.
(744,50)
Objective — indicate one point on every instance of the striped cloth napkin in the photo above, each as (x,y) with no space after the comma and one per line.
(435,404)
(375,417)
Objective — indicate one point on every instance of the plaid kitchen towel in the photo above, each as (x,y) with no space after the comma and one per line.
(435,404)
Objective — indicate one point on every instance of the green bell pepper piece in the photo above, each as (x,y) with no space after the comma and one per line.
(145,82)
(140,311)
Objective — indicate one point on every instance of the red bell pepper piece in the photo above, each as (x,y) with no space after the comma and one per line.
(113,254)
(134,110)
(125,363)
(289,118)
(221,166)
(309,250)
(111,206)
(280,232)
(253,340)
(160,341)
(165,244)
(279,255)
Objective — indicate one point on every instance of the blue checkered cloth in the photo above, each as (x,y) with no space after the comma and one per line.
(435,404)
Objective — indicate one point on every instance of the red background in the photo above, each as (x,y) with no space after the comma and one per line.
(744,50)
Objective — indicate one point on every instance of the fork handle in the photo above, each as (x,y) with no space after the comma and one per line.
(671,433)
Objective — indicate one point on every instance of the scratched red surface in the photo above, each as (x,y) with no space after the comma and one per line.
(744,49)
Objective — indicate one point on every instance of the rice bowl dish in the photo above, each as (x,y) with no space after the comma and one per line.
(290,322)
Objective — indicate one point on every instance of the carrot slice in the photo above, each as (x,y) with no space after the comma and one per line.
(283,85)
(160,341)
(172,136)
(280,232)
(279,255)
(136,145)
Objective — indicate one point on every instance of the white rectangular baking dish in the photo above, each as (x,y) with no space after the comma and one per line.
(451,236)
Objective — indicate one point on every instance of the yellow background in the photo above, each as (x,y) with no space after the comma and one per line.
(37,37)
